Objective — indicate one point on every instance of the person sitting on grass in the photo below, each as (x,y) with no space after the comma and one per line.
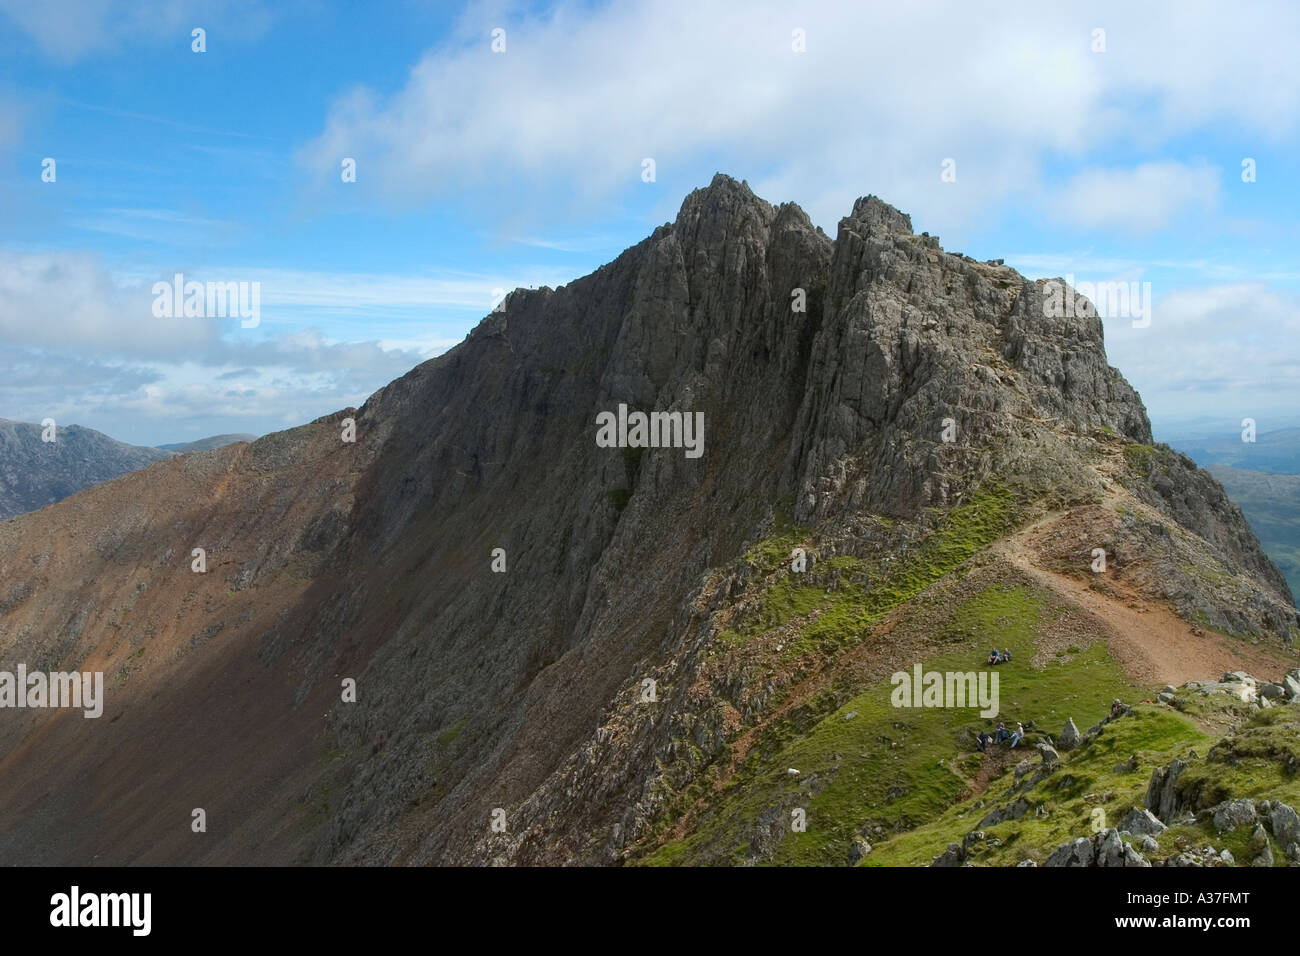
(1002,732)
(1005,657)
(994,657)
(1018,736)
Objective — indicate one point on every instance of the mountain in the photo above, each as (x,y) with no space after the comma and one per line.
(36,473)
(1271,503)
(207,444)
(642,673)
(1276,451)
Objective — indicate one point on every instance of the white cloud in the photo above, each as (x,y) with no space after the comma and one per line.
(1136,200)
(69,30)
(883,94)
(81,343)
(54,300)
(1211,349)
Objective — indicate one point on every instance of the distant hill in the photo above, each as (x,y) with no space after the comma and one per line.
(204,444)
(1271,503)
(1273,451)
(34,473)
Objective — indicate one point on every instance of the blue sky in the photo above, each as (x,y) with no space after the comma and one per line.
(479,170)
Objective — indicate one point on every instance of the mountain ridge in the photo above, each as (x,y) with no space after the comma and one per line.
(479,690)
(35,473)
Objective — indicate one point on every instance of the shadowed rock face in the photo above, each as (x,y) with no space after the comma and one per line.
(35,473)
(480,690)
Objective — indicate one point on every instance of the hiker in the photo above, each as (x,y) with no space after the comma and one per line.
(982,740)
(1018,736)
(1002,732)
(1006,657)
(994,657)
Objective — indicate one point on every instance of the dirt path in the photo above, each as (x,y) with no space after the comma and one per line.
(1154,644)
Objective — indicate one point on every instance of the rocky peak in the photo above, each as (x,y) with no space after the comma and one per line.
(876,214)
(908,379)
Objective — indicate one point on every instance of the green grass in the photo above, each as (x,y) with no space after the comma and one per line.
(1144,460)
(448,736)
(862,596)
(1091,778)
(1262,760)
(903,767)
(774,550)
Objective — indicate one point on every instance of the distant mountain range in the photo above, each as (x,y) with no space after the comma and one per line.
(1271,503)
(35,473)
(1263,479)
(207,444)
(1275,451)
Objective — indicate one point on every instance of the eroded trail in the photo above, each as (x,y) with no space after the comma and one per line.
(1154,644)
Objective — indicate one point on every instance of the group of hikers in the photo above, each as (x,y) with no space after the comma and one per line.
(1000,735)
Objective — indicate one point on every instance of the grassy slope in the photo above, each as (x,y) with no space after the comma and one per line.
(914,771)
(901,767)
(1254,763)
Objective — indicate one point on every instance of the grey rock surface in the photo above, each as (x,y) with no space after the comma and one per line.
(36,473)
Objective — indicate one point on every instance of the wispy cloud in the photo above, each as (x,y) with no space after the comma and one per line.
(160,120)
(1141,199)
(74,29)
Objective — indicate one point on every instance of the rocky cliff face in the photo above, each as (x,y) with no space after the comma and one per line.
(918,408)
(36,473)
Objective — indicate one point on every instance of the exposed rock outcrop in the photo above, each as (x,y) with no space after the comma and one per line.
(1103,849)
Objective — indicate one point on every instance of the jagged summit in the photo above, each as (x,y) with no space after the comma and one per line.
(876,212)
(911,419)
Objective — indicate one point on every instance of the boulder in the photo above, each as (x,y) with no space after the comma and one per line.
(1162,791)
(858,850)
(1050,757)
(1234,813)
(1070,736)
(1265,856)
(953,856)
(1012,811)
(1291,686)
(1272,692)
(1246,693)
(1142,823)
(1104,849)
(1258,839)
(1078,852)
(1285,823)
